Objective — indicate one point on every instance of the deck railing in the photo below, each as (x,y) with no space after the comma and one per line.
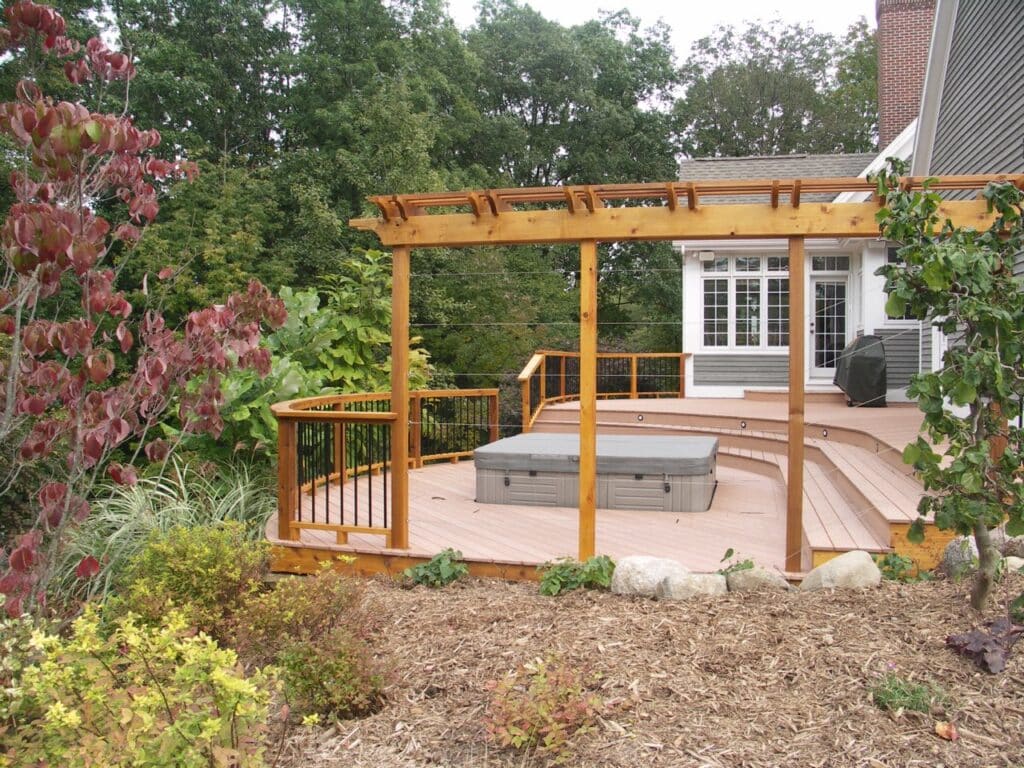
(327,443)
(552,377)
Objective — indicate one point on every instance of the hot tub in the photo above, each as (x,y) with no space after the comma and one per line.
(657,472)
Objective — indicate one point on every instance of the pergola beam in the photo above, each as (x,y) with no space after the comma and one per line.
(611,224)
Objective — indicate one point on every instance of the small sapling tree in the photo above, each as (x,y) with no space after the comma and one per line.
(961,281)
(85,377)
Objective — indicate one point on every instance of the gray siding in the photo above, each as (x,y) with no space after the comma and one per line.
(902,354)
(741,370)
(981,117)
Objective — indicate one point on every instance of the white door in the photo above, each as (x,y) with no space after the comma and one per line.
(828,324)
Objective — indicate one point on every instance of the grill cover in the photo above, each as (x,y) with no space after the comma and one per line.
(616,454)
(860,372)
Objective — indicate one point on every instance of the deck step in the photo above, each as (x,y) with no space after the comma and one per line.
(829,394)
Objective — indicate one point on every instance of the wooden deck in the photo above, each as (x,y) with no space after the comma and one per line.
(857,495)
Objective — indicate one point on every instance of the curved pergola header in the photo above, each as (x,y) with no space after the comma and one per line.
(676,210)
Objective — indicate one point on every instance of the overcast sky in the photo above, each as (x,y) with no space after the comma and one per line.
(691,20)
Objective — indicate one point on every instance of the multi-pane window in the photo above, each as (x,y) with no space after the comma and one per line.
(830,263)
(716,312)
(778,312)
(746,302)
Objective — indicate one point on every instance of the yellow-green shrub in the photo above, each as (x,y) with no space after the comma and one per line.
(203,572)
(317,631)
(152,696)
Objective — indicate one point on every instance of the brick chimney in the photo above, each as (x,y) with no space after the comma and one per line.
(904,35)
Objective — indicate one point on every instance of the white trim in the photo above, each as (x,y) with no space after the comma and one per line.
(934,80)
(901,147)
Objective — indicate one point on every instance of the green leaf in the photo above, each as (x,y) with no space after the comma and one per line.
(895,305)
(1015,526)
(911,454)
(915,534)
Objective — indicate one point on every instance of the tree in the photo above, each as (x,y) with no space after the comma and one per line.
(962,282)
(775,90)
(65,403)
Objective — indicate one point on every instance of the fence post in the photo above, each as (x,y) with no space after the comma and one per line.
(287,478)
(633,361)
(682,375)
(525,384)
(561,376)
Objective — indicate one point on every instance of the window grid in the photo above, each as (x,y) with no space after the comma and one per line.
(778,312)
(748,312)
(716,312)
(746,302)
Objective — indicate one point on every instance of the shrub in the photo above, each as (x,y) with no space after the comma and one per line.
(17,653)
(148,696)
(543,704)
(317,631)
(125,518)
(442,569)
(897,567)
(566,574)
(205,572)
(894,693)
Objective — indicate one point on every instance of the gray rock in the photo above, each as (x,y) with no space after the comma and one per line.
(687,585)
(1013,563)
(1014,547)
(755,579)
(851,570)
(959,557)
(640,575)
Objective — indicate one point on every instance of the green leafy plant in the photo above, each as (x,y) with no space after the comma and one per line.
(125,518)
(893,693)
(156,696)
(734,564)
(566,575)
(204,572)
(543,704)
(17,653)
(317,631)
(961,281)
(897,567)
(441,570)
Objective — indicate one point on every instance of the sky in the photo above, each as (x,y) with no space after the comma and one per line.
(691,20)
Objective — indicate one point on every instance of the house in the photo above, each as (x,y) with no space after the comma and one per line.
(736,293)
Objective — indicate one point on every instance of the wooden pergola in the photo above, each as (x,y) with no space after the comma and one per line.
(658,211)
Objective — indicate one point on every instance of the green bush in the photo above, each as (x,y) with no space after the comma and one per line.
(125,518)
(442,569)
(316,630)
(567,574)
(17,653)
(542,705)
(142,696)
(204,572)
(897,567)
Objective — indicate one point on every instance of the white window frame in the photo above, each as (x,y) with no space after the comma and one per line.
(731,274)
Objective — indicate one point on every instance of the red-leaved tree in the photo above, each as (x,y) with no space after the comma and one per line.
(65,403)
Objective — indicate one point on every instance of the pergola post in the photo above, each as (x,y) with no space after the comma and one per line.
(795,475)
(400,397)
(588,399)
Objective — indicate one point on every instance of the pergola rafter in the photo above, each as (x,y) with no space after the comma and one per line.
(590,214)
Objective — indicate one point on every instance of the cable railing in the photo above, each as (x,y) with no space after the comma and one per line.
(334,454)
(552,377)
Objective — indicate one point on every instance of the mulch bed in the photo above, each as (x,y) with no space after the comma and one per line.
(754,680)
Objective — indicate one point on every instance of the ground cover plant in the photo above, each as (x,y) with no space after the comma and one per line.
(441,570)
(566,575)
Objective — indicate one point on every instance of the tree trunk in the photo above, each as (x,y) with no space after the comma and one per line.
(988,561)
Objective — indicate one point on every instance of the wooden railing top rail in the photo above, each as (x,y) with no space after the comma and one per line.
(301,408)
(561,353)
(531,367)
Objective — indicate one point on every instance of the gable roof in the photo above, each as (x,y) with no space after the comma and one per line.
(773,167)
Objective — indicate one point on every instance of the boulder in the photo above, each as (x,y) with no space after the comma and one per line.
(959,557)
(687,585)
(755,579)
(851,570)
(641,575)
(1014,547)
(1012,563)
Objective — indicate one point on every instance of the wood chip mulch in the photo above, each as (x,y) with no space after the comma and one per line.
(752,680)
